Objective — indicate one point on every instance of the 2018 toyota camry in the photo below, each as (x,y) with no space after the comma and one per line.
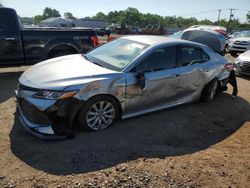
(126,77)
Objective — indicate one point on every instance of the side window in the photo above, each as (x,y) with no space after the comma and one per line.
(161,59)
(7,24)
(3,24)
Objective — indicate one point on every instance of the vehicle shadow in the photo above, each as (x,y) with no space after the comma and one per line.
(8,84)
(244,77)
(179,131)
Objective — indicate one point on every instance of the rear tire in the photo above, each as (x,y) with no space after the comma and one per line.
(98,113)
(209,91)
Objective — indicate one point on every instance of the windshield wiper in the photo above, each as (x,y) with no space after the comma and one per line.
(85,56)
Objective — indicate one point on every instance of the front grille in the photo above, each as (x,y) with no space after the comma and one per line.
(245,68)
(246,63)
(238,47)
(32,113)
(241,42)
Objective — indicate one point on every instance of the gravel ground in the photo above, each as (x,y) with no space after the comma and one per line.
(196,145)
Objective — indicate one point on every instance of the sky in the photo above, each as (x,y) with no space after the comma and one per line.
(200,9)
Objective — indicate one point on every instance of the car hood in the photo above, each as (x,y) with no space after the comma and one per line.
(61,72)
(245,56)
(240,39)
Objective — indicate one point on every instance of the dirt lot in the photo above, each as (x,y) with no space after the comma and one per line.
(197,145)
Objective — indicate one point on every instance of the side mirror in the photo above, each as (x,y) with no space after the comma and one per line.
(141,80)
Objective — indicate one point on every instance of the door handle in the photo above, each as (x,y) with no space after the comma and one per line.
(10,38)
(206,70)
(174,75)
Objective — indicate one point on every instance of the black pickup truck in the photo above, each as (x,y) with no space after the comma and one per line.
(28,46)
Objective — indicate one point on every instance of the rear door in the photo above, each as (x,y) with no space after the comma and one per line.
(193,66)
(11,51)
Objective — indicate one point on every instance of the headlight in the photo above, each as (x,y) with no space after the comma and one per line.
(43,94)
(236,60)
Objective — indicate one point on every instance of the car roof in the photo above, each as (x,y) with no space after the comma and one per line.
(156,40)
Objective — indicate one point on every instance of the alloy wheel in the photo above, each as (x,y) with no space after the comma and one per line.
(100,115)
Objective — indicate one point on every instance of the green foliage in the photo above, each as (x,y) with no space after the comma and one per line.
(206,22)
(100,15)
(37,19)
(132,17)
(69,15)
(248,17)
(49,12)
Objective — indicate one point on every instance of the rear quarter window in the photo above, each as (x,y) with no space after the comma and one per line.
(8,24)
(205,57)
(191,55)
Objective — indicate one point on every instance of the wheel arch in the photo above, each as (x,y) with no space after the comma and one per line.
(62,41)
(204,90)
(62,47)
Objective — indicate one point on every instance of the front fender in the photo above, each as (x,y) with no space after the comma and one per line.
(114,87)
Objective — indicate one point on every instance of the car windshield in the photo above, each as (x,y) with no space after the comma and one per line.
(245,34)
(117,54)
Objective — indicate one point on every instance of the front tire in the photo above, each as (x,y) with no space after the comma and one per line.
(98,113)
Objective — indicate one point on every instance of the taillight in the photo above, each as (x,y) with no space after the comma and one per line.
(229,66)
(221,32)
(95,41)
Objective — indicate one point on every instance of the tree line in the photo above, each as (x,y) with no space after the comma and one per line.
(132,17)
(49,13)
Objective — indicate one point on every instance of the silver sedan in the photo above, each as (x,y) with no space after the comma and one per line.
(242,63)
(126,77)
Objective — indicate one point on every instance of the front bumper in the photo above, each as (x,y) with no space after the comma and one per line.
(39,130)
(47,119)
(239,72)
(244,69)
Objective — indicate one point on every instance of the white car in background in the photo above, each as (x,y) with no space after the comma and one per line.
(234,35)
(239,44)
(218,29)
(242,63)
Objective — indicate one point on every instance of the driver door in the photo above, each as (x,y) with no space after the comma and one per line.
(153,83)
